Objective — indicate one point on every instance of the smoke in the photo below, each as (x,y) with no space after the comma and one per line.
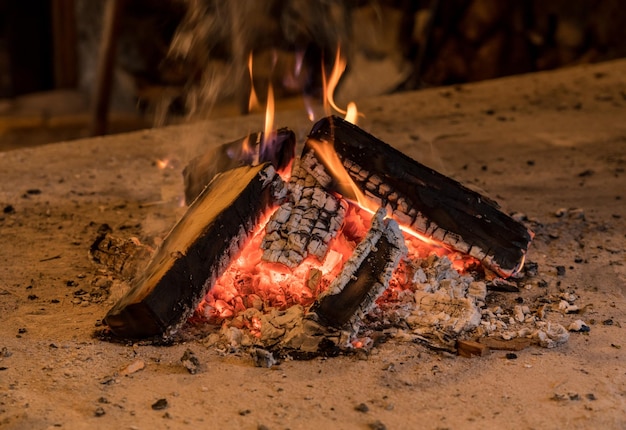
(215,38)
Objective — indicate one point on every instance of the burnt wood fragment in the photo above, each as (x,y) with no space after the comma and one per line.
(364,277)
(247,151)
(196,252)
(417,196)
(122,256)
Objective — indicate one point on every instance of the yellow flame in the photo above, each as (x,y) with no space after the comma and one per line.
(269,115)
(253,101)
(325,152)
(245,145)
(352,113)
(330,84)
(346,186)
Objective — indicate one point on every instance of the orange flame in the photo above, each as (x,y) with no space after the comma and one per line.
(330,84)
(349,190)
(253,101)
(269,134)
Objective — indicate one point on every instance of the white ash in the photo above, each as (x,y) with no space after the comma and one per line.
(444,306)
(305,223)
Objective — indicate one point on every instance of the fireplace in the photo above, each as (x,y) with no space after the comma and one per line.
(299,262)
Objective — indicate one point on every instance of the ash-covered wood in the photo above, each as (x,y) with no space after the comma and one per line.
(427,201)
(304,224)
(364,277)
(196,252)
(250,150)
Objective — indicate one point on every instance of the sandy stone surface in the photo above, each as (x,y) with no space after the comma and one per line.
(536,144)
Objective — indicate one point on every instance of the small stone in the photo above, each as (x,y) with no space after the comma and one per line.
(244,412)
(263,358)
(362,407)
(591,396)
(579,326)
(99,411)
(9,209)
(560,212)
(608,322)
(560,270)
(160,404)
(262,427)
(377,425)
(190,361)
(511,356)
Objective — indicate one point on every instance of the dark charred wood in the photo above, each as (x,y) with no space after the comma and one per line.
(364,277)
(195,253)
(423,199)
(247,151)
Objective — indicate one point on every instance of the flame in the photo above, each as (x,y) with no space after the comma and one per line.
(330,84)
(253,101)
(270,133)
(326,153)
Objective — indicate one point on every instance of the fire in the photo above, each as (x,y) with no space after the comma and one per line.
(330,84)
(253,101)
(269,133)
(250,282)
(349,190)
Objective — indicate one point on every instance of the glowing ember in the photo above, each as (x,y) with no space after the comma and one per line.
(250,282)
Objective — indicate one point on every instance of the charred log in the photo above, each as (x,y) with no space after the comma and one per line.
(196,252)
(247,151)
(364,277)
(417,196)
(305,224)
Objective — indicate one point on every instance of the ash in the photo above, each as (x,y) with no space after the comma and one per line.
(440,307)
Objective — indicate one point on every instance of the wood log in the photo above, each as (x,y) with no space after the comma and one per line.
(364,277)
(250,150)
(196,252)
(419,197)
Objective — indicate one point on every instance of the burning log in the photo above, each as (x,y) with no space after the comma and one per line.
(196,252)
(250,150)
(419,197)
(305,224)
(364,277)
